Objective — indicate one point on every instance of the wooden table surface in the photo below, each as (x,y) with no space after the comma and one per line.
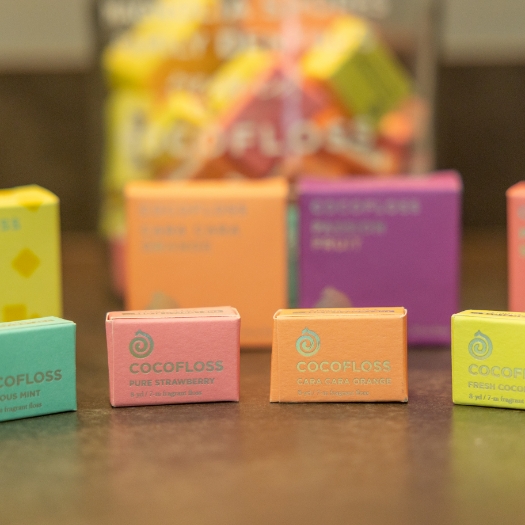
(254,462)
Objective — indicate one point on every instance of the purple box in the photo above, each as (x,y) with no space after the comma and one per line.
(384,242)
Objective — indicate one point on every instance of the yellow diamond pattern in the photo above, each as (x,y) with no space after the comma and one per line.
(26,262)
(32,204)
(14,312)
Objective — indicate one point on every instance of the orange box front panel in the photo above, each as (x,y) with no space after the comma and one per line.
(347,354)
(205,243)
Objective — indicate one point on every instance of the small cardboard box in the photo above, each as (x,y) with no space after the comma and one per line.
(347,354)
(361,71)
(202,243)
(488,366)
(369,242)
(160,357)
(37,368)
(516,245)
(30,275)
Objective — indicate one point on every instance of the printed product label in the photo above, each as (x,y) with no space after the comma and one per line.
(338,360)
(172,363)
(487,365)
(41,379)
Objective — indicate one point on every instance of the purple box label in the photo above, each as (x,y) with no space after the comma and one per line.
(384,242)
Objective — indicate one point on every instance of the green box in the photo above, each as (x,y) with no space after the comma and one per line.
(488,359)
(37,368)
(366,77)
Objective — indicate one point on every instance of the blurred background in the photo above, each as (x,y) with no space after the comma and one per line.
(52,93)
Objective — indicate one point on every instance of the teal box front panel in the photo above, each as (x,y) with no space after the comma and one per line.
(37,368)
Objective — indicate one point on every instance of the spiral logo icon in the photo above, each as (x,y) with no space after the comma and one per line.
(141,345)
(481,346)
(308,344)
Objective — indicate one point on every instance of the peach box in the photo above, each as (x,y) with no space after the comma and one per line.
(346,354)
(201,243)
(516,246)
(159,357)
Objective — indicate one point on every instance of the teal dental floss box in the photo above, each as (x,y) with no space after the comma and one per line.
(37,368)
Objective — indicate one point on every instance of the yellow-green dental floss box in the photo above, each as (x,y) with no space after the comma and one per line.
(37,367)
(488,359)
(30,270)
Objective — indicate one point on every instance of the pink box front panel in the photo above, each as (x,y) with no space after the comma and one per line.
(157,361)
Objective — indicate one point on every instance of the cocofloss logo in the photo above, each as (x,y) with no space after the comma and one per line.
(481,346)
(308,344)
(141,345)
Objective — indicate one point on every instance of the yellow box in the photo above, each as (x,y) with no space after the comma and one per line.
(347,354)
(488,360)
(174,37)
(206,243)
(30,276)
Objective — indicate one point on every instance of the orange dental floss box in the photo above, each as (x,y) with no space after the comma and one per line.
(347,354)
(195,244)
